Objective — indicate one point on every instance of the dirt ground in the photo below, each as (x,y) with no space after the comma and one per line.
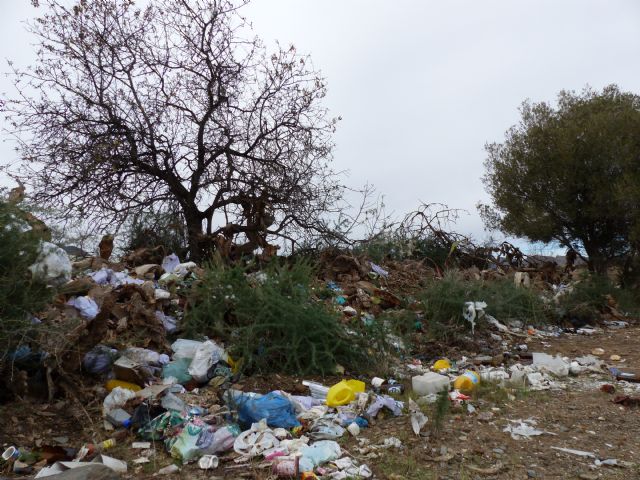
(468,445)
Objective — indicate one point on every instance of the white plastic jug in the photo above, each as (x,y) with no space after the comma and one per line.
(428,383)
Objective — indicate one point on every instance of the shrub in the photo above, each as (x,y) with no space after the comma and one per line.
(272,320)
(592,292)
(20,296)
(443,301)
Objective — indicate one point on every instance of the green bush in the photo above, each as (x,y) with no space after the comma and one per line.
(591,292)
(20,296)
(273,321)
(443,302)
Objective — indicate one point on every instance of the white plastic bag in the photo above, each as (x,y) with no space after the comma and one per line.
(117,399)
(206,356)
(52,265)
(87,306)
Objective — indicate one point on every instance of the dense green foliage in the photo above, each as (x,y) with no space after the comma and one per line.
(444,299)
(593,292)
(571,175)
(20,296)
(272,321)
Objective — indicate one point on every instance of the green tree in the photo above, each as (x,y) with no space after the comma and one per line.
(571,174)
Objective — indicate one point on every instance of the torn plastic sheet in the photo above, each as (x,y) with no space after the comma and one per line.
(382,401)
(522,429)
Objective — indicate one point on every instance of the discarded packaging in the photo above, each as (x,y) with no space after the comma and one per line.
(429,382)
(466,382)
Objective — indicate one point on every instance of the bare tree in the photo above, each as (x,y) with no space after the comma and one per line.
(128,109)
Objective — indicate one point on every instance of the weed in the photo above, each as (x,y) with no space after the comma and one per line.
(443,301)
(20,295)
(405,466)
(272,321)
(592,293)
(441,408)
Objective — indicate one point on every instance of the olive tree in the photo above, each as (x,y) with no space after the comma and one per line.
(173,105)
(571,174)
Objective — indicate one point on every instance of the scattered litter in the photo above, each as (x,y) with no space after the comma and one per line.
(521,429)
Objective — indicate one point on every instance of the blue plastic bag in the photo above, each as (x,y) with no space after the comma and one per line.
(276,409)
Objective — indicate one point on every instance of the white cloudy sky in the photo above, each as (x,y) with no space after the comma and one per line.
(422,85)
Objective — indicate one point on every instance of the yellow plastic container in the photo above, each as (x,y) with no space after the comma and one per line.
(344,392)
(111,384)
(467,381)
(442,364)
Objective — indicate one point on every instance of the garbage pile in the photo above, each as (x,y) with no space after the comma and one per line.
(184,396)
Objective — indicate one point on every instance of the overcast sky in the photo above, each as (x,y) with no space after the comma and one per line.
(423,85)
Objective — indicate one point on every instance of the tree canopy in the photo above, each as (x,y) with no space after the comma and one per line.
(571,174)
(173,106)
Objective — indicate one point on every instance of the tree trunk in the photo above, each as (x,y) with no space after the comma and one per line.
(193,220)
(597,262)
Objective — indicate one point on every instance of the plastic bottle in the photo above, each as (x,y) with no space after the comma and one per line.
(467,381)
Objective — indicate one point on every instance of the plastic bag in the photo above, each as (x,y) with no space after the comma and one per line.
(116,399)
(318,453)
(178,369)
(145,356)
(216,441)
(183,348)
(258,440)
(184,446)
(52,265)
(170,263)
(206,356)
(276,409)
(99,359)
(162,426)
(169,323)
(87,306)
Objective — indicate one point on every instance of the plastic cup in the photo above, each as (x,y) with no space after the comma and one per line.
(10,453)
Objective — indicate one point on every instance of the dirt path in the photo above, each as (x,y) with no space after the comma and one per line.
(580,417)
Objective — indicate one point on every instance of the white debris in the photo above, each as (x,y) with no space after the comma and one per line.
(521,429)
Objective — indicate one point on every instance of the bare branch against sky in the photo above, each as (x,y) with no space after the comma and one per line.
(423,85)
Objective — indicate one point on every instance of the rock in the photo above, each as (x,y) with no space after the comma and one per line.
(597,351)
(485,416)
(589,476)
(614,358)
(532,474)
(89,472)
